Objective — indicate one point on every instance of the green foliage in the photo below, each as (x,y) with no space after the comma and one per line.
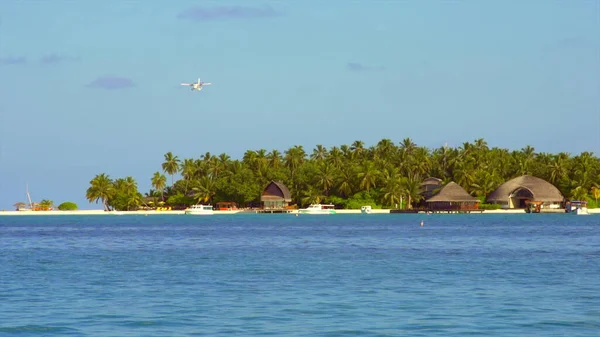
(68,206)
(353,175)
(489,206)
(120,194)
(363,198)
(180,200)
(46,204)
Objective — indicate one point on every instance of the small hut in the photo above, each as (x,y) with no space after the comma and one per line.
(226,206)
(452,197)
(276,196)
(518,192)
(21,206)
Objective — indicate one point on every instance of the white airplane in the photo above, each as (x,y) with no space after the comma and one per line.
(196,86)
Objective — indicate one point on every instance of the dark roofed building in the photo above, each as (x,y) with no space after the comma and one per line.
(452,197)
(430,186)
(276,196)
(516,192)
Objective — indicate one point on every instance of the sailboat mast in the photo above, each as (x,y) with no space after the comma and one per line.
(28,196)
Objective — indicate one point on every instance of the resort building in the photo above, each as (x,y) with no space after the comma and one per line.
(226,206)
(276,196)
(518,192)
(430,186)
(452,197)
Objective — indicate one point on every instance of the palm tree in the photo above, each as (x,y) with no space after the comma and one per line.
(368,176)
(596,194)
(325,177)
(206,189)
(579,193)
(407,146)
(412,188)
(294,157)
(319,153)
(357,148)
(274,158)
(344,181)
(171,165)
(46,204)
(392,186)
(159,182)
(101,188)
(336,157)
(312,196)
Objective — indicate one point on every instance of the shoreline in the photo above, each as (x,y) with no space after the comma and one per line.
(181,212)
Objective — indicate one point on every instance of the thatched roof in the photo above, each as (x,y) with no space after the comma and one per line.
(276,191)
(540,189)
(432,181)
(452,192)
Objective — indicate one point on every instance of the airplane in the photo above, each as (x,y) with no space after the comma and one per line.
(196,86)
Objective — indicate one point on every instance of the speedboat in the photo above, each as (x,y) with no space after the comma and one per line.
(582,211)
(577,207)
(199,210)
(318,209)
(365,209)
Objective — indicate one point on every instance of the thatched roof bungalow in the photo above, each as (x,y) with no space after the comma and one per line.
(452,197)
(276,196)
(516,192)
(20,206)
(430,186)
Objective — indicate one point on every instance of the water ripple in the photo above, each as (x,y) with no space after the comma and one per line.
(463,275)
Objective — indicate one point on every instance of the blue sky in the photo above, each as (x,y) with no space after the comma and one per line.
(93,86)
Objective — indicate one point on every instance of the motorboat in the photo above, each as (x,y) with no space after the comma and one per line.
(582,211)
(199,210)
(318,209)
(577,207)
(365,209)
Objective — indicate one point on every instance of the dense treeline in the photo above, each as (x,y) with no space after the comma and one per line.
(350,175)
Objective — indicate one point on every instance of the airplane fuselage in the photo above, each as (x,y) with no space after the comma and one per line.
(196,86)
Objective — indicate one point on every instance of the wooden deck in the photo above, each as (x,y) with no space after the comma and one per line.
(427,210)
(272,211)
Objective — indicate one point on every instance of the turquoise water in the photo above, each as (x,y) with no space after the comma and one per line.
(282,275)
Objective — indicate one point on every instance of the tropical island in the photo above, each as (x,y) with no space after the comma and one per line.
(385,175)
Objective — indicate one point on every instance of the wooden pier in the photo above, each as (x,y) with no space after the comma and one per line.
(272,211)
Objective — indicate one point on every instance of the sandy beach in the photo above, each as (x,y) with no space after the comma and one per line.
(112,213)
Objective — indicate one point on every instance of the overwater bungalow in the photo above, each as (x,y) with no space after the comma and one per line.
(276,196)
(521,191)
(451,198)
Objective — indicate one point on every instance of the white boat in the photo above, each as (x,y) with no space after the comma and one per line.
(582,211)
(199,210)
(365,209)
(578,207)
(318,209)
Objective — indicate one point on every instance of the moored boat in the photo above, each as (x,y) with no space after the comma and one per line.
(577,207)
(199,210)
(318,209)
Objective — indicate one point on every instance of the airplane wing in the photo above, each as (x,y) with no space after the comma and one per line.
(188,84)
(206,83)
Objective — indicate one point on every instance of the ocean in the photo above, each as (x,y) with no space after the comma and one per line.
(308,275)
